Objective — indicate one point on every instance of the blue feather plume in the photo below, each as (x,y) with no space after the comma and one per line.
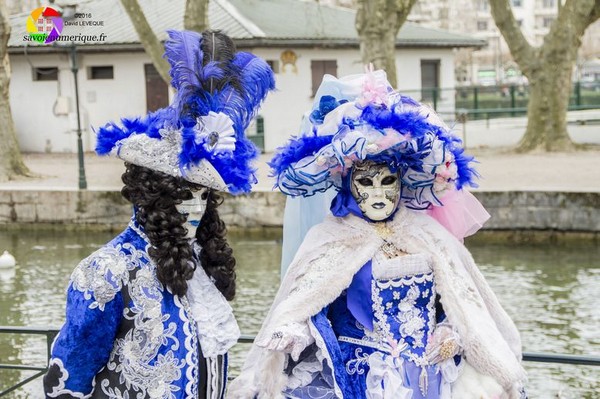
(256,80)
(184,52)
(208,75)
(296,149)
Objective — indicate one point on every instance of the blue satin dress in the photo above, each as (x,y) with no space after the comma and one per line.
(389,360)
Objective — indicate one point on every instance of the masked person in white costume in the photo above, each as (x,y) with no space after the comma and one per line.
(382,300)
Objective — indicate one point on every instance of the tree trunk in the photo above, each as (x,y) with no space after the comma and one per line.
(196,15)
(11,161)
(549,92)
(548,69)
(150,42)
(377,24)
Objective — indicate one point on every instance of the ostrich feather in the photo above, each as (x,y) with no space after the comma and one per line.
(183,50)
(256,80)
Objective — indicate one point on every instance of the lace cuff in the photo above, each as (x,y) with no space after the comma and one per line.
(443,344)
(292,338)
(217,328)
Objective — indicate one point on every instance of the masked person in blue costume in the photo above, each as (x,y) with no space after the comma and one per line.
(382,300)
(147,314)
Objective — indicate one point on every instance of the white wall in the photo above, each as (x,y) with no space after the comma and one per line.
(32,103)
(408,65)
(283,109)
(38,127)
(125,95)
(111,99)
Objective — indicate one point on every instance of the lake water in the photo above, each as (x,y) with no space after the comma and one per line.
(549,290)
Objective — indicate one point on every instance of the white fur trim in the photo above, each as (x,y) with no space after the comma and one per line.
(336,249)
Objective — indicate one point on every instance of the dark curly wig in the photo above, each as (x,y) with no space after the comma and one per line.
(155,196)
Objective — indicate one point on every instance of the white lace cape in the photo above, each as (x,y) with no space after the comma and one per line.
(324,266)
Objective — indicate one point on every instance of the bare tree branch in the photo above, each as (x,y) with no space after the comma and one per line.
(595,14)
(549,69)
(403,8)
(520,49)
(150,42)
(377,23)
(196,15)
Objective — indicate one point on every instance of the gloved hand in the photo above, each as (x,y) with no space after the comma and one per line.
(443,344)
(292,338)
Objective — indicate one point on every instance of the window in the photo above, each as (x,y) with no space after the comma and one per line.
(547,21)
(520,22)
(548,3)
(482,25)
(517,3)
(319,68)
(274,64)
(100,72)
(45,73)
(430,80)
(482,5)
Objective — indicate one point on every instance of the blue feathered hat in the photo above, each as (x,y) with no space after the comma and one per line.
(360,117)
(200,136)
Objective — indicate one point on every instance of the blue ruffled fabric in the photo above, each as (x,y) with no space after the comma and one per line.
(315,162)
(326,105)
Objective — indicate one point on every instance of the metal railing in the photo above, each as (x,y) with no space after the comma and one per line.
(508,100)
(50,333)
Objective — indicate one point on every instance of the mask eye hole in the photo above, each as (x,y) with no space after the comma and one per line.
(187,195)
(204,195)
(365,181)
(389,180)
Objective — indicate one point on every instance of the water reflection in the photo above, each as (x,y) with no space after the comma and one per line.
(549,291)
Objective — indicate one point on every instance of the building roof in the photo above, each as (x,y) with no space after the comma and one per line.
(251,23)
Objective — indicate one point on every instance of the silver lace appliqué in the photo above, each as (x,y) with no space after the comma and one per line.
(136,356)
(103,274)
(139,357)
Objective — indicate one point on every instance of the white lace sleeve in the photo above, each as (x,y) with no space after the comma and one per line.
(292,338)
(217,329)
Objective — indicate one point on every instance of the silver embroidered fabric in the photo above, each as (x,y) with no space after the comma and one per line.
(163,155)
(135,356)
(103,274)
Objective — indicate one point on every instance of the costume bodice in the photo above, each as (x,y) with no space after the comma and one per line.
(403,306)
(128,335)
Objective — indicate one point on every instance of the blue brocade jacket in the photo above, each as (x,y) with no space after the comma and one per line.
(126,335)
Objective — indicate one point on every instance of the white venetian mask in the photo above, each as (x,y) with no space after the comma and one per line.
(194,209)
(376,189)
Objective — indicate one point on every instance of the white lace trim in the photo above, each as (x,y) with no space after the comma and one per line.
(60,388)
(191,345)
(217,328)
(136,356)
(411,319)
(304,373)
(400,266)
(386,377)
(323,356)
